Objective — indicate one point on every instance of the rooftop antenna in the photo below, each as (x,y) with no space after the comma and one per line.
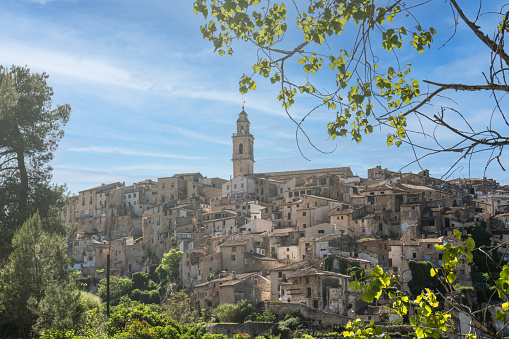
(243,101)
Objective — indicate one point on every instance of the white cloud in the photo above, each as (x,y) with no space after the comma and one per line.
(199,136)
(115,150)
(88,68)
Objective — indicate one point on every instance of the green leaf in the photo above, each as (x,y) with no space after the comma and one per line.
(433,272)
(451,278)
(469,256)
(377,271)
(439,247)
(457,234)
(470,244)
(501,316)
(355,285)
(368,296)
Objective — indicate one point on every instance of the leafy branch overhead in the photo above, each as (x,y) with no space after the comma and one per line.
(367,91)
(430,313)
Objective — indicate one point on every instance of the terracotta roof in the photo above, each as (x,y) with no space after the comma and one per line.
(329,237)
(234,243)
(308,271)
(293,266)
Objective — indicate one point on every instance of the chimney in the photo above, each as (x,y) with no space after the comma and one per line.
(234,275)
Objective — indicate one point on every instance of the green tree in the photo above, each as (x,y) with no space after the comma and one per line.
(349,54)
(168,270)
(327,263)
(37,288)
(178,307)
(119,287)
(234,313)
(421,277)
(30,130)
(140,280)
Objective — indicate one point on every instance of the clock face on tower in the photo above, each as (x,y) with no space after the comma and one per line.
(243,140)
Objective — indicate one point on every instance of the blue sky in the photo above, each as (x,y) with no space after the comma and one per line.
(149,97)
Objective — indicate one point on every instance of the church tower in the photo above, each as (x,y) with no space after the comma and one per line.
(243,158)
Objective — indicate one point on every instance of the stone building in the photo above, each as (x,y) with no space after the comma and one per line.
(243,148)
(231,288)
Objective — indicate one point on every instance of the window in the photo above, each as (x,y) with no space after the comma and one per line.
(414,255)
(242,185)
(290,194)
(308,292)
(321,231)
(234,249)
(235,186)
(429,245)
(227,187)
(307,280)
(280,274)
(462,271)
(428,257)
(241,149)
(303,214)
(233,257)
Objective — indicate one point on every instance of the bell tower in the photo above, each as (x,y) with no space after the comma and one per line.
(243,158)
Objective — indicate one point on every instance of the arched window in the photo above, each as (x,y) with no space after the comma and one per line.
(241,149)
(241,129)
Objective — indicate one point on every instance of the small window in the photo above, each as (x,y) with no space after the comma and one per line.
(233,257)
(241,185)
(234,249)
(303,214)
(414,255)
(428,257)
(235,186)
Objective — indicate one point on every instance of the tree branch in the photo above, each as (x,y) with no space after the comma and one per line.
(496,48)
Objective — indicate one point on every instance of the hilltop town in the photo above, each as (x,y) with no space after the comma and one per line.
(266,236)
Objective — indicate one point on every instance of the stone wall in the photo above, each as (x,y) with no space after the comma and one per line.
(254,329)
(319,317)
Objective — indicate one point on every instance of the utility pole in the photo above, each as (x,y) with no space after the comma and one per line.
(108,285)
(108,269)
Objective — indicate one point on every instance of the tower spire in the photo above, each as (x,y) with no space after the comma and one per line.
(243,140)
